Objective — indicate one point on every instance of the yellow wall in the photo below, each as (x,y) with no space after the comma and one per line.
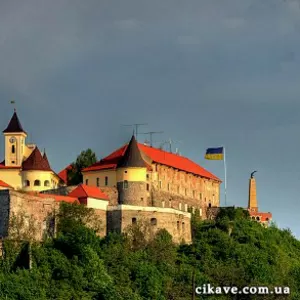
(14,159)
(92,178)
(39,175)
(11,177)
(133,174)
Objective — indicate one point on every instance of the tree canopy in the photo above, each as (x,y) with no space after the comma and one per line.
(85,159)
(77,264)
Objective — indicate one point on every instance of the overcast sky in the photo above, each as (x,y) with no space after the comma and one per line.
(206,72)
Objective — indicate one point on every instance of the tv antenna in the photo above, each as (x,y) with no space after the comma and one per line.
(135,128)
(170,142)
(151,134)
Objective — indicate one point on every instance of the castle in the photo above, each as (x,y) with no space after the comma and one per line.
(136,183)
(24,167)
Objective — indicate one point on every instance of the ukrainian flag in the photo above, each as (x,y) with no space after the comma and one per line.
(215,153)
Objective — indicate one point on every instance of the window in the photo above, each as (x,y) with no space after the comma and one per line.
(257,218)
(86,181)
(13,149)
(183,227)
(148,187)
(185,207)
(147,176)
(13,162)
(125,171)
(46,183)
(142,199)
(37,183)
(98,182)
(106,180)
(178,225)
(125,184)
(27,183)
(200,196)
(209,205)
(133,221)
(153,222)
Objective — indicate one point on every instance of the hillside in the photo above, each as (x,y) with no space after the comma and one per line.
(231,251)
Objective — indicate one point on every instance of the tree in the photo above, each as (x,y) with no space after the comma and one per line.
(85,159)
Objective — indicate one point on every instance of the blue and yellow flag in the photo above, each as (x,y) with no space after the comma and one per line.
(215,153)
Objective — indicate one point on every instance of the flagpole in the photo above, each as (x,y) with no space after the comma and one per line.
(225,173)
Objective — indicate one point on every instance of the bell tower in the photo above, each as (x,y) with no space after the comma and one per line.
(14,136)
(131,176)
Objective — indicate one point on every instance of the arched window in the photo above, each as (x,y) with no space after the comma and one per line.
(253,218)
(13,149)
(37,183)
(46,183)
(153,221)
(133,221)
(209,205)
(257,218)
(125,184)
(26,183)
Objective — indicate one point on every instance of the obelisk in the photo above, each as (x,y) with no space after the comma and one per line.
(252,202)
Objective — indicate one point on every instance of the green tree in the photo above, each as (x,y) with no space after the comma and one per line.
(85,159)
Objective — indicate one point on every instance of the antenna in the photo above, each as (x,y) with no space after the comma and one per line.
(136,127)
(151,134)
(171,142)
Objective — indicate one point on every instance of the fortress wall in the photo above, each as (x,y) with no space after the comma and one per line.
(169,187)
(177,223)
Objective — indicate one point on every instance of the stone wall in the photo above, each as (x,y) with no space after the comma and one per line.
(134,194)
(26,216)
(177,223)
(64,190)
(112,193)
(168,187)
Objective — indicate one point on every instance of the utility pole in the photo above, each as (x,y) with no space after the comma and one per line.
(136,127)
(151,134)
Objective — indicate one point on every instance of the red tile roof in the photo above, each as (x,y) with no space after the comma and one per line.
(157,156)
(63,174)
(57,198)
(14,125)
(264,217)
(85,191)
(36,162)
(4,184)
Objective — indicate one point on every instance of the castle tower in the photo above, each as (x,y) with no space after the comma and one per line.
(252,201)
(14,136)
(131,176)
